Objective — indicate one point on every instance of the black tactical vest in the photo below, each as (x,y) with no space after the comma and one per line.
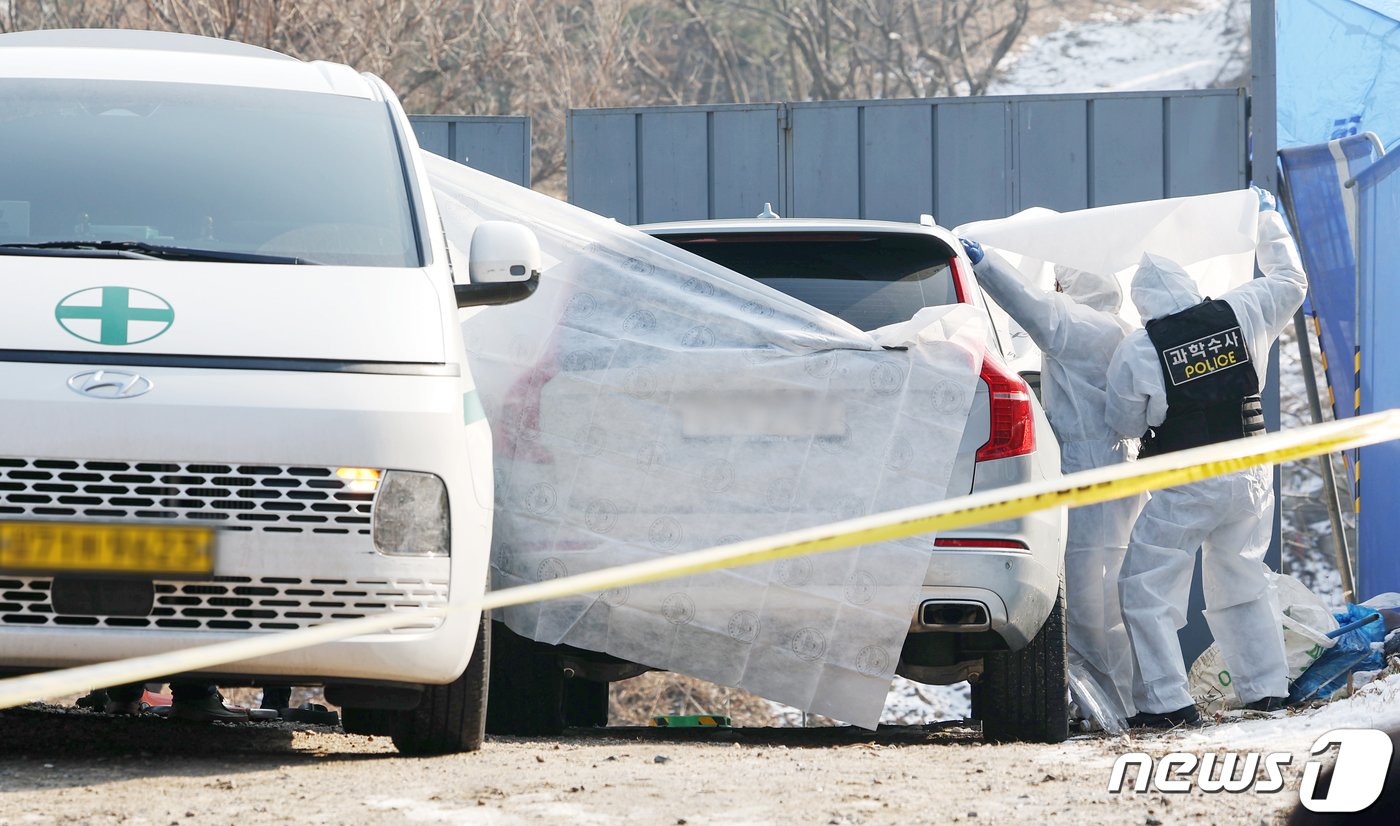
(1212,387)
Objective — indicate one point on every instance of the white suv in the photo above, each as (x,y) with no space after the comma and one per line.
(233,393)
(992,608)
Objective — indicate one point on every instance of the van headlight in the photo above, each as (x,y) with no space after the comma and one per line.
(410,515)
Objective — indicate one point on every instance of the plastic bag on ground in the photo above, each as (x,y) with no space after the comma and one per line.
(1356,650)
(1306,622)
(1093,703)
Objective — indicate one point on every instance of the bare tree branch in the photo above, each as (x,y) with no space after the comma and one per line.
(541,58)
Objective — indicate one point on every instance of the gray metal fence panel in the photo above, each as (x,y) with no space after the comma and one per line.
(434,135)
(674,163)
(962,159)
(897,158)
(677,162)
(1055,133)
(1195,126)
(496,145)
(826,161)
(746,160)
(603,174)
(1126,134)
(972,161)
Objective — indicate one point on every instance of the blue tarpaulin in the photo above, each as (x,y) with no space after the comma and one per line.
(1378,291)
(1339,77)
(1338,70)
(1323,212)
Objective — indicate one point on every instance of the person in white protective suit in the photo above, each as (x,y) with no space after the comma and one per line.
(1192,377)
(1077,329)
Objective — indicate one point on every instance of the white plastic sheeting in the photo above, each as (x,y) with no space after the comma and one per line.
(647,402)
(1211,236)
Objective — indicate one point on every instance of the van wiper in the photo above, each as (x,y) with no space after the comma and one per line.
(142,249)
(70,252)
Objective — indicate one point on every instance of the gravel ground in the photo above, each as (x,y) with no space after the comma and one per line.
(66,766)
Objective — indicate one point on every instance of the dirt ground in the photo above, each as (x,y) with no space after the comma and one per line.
(67,766)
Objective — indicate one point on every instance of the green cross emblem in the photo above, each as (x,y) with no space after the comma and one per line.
(111,307)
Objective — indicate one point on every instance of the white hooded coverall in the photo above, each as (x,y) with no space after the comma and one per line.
(1077,331)
(1224,516)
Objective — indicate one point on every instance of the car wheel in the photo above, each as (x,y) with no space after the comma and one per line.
(527,687)
(1024,695)
(450,718)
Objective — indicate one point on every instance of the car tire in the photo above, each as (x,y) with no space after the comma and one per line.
(585,703)
(1024,695)
(527,687)
(449,718)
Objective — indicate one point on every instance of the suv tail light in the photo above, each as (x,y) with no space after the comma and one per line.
(958,278)
(1013,424)
(979,542)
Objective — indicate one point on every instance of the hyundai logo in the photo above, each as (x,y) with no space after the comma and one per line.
(109,384)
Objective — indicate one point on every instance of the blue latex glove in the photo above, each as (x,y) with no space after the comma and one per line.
(973,250)
(1266,199)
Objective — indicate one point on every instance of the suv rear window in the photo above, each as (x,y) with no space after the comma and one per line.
(867,279)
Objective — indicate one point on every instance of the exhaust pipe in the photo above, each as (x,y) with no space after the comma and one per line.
(954,615)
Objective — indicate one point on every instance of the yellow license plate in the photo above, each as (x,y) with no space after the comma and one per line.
(133,550)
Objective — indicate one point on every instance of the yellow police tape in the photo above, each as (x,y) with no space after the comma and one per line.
(1075,490)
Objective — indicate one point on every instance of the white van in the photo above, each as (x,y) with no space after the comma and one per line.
(233,394)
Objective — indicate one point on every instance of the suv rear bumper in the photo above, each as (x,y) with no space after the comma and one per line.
(1016,589)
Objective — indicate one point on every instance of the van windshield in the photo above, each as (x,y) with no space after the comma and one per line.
(304,175)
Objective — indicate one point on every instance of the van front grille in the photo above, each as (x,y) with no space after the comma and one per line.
(230,603)
(270,498)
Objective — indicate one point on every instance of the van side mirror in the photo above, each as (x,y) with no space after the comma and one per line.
(503,265)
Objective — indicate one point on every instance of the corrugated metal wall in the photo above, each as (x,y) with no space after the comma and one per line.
(498,145)
(961,159)
(673,162)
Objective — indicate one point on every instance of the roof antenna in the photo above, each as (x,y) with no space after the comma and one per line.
(768,211)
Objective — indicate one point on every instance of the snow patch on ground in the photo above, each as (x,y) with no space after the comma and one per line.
(908,704)
(1204,46)
(1376,705)
(914,704)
